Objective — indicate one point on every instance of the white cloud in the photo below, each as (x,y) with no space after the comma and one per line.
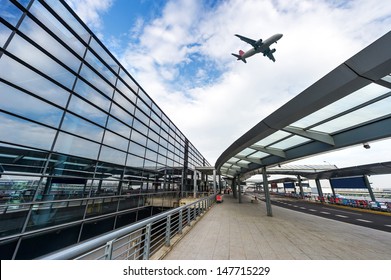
(183,58)
(318,36)
(90,11)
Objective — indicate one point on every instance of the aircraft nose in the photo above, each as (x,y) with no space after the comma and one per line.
(279,36)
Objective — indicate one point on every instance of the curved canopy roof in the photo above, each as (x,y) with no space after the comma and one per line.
(348,106)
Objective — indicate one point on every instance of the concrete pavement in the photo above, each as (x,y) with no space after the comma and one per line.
(244,232)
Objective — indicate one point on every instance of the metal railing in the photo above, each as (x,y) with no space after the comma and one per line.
(138,241)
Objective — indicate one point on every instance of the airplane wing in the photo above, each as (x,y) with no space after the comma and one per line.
(269,54)
(247,40)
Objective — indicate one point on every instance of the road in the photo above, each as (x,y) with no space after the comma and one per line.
(366,218)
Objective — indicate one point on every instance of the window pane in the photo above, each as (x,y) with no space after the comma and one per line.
(20,103)
(116,141)
(126,91)
(130,83)
(72,145)
(138,138)
(111,155)
(81,127)
(135,161)
(124,103)
(137,149)
(104,55)
(92,95)
(100,67)
(118,127)
(86,110)
(9,12)
(31,55)
(20,75)
(18,131)
(5,32)
(69,18)
(43,39)
(97,81)
(121,114)
(57,28)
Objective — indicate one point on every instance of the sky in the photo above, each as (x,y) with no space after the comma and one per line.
(179,51)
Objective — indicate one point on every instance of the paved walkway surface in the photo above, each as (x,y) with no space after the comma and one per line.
(243,231)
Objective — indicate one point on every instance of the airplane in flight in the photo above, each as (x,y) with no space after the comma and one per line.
(258,46)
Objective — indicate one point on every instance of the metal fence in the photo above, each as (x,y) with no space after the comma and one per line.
(138,241)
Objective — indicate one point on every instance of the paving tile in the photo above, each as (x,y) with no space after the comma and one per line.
(240,231)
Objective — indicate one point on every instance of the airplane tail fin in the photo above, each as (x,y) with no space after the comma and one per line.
(239,56)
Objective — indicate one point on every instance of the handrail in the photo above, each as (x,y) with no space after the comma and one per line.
(89,245)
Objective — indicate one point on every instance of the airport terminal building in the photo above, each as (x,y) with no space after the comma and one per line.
(83,148)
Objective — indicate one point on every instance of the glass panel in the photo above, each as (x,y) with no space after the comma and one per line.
(154,136)
(140,127)
(135,161)
(5,32)
(9,12)
(142,107)
(31,55)
(162,159)
(73,145)
(68,18)
(121,114)
(57,28)
(358,97)
(152,145)
(151,155)
(22,104)
(368,113)
(112,155)
(276,136)
(116,141)
(142,117)
(130,83)
(387,78)
(126,91)
(104,55)
(290,142)
(138,138)
(18,131)
(82,127)
(97,81)
(144,97)
(100,67)
(118,127)
(43,39)
(124,103)
(259,154)
(86,110)
(137,149)
(92,95)
(20,75)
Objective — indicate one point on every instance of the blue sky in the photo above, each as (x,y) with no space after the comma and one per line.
(180,53)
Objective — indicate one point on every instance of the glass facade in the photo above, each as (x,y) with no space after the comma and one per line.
(82,146)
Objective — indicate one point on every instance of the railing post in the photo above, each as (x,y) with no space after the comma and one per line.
(147,241)
(195,211)
(188,216)
(168,230)
(180,222)
(109,250)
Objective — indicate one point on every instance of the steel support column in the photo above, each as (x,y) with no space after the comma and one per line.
(369,188)
(320,192)
(267,194)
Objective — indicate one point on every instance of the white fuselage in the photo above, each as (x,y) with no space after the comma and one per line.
(263,47)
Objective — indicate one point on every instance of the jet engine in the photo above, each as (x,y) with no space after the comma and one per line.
(273,51)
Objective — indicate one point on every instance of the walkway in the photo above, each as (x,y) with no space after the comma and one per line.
(243,231)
